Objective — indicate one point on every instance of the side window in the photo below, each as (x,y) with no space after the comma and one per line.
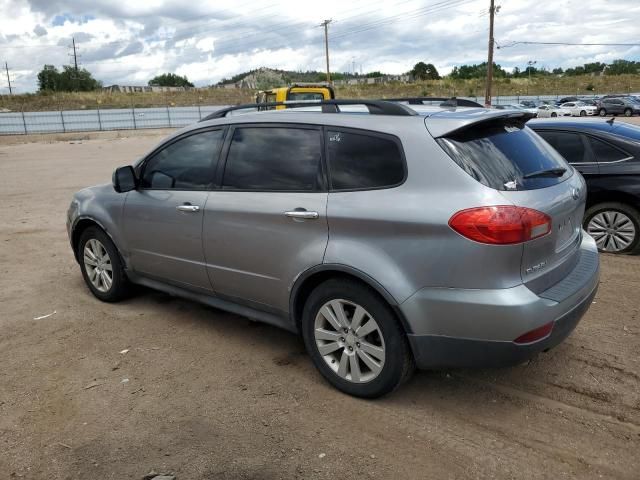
(360,161)
(188,164)
(305,96)
(605,153)
(274,158)
(569,145)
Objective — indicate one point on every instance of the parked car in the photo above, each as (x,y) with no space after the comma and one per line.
(389,240)
(626,106)
(546,111)
(579,109)
(608,155)
(566,99)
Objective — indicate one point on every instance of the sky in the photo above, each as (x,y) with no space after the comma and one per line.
(128,43)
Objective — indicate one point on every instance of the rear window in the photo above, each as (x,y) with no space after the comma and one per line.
(502,154)
(360,161)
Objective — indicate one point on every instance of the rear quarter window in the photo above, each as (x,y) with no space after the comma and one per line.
(360,161)
(502,154)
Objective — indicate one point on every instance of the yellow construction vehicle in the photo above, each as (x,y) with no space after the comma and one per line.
(296,92)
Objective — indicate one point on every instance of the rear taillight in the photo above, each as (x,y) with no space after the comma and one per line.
(535,335)
(501,224)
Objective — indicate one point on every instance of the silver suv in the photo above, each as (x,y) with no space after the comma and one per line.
(389,240)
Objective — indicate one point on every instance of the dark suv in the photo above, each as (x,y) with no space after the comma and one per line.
(626,106)
(608,156)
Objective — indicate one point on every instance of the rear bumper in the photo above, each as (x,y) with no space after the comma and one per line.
(467,328)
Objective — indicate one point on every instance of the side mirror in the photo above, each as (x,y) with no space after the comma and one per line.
(124,179)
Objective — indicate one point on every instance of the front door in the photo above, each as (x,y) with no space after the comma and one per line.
(163,217)
(267,223)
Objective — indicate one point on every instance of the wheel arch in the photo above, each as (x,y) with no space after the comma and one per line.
(80,226)
(311,278)
(605,196)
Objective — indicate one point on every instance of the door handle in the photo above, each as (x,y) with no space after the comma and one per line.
(302,214)
(188,208)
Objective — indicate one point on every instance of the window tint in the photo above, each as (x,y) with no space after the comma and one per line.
(569,145)
(188,164)
(603,152)
(275,158)
(363,161)
(305,96)
(504,154)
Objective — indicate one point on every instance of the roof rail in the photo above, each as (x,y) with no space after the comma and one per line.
(375,107)
(446,101)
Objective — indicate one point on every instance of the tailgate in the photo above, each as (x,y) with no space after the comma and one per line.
(548,259)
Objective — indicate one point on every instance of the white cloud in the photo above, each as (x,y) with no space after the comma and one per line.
(130,42)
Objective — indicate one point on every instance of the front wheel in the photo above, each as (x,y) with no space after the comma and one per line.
(101,266)
(554,114)
(583,113)
(602,112)
(355,339)
(628,112)
(614,226)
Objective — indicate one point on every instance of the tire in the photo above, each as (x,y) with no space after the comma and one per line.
(628,112)
(94,243)
(583,113)
(392,360)
(554,114)
(626,219)
(602,112)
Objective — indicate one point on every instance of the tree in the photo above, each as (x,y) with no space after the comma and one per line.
(466,72)
(170,80)
(68,80)
(425,71)
(557,71)
(48,78)
(619,67)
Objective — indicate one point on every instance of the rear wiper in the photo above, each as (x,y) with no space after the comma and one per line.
(549,172)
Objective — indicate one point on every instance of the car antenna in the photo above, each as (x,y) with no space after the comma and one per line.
(611,120)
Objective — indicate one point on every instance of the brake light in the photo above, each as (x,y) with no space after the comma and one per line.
(536,334)
(501,224)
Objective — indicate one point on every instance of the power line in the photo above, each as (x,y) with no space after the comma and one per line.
(513,44)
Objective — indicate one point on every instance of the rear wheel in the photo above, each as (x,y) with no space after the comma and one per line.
(554,114)
(602,112)
(614,226)
(628,112)
(355,339)
(101,266)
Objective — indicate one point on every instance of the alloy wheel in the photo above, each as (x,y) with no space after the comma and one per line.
(97,264)
(349,340)
(613,231)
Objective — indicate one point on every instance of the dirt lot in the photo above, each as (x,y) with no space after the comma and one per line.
(211,396)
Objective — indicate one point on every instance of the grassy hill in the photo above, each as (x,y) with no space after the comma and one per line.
(583,85)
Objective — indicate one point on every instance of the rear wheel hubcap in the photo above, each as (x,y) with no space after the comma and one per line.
(349,340)
(613,231)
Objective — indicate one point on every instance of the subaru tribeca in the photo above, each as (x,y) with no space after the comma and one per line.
(389,240)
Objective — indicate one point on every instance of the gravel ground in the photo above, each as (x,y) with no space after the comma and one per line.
(113,391)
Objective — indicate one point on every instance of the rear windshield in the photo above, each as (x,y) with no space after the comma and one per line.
(501,154)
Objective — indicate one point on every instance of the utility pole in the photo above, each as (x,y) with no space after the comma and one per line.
(75,61)
(325,24)
(6,67)
(487,96)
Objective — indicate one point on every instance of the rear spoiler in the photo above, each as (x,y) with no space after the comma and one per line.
(442,124)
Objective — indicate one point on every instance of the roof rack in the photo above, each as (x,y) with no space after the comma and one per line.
(446,101)
(375,107)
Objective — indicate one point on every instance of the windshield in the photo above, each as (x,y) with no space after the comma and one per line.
(502,154)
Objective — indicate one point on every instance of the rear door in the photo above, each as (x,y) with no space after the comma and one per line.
(162,219)
(506,155)
(267,223)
